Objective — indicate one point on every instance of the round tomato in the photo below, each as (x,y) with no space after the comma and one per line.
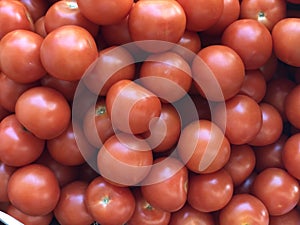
(5,174)
(291,106)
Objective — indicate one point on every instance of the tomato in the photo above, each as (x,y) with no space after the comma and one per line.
(277,189)
(124,159)
(269,69)
(244,209)
(28,219)
(18,146)
(291,106)
(271,128)
(87,173)
(36,8)
(166,185)
(5,174)
(67,13)
(164,132)
(40,26)
(246,186)
(71,208)
(63,42)
(113,64)
(188,215)
(243,119)
(267,12)
(291,155)
(109,204)
(11,91)
(241,163)
(210,192)
(251,40)
(20,56)
(39,193)
(201,14)
(165,21)
(167,75)
(286,47)
(105,12)
(146,214)
(290,218)
(208,72)
(43,111)
(254,85)
(14,15)
(131,107)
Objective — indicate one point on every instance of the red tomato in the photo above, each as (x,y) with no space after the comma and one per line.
(244,209)
(18,147)
(124,159)
(67,13)
(203,147)
(290,218)
(36,8)
(71,209)
(208,72)
(43,111)
(131,107)
(63,42)
(246,186)
(269,69)
(291,106)
(202,14)
(14,15)
(40,26)
(146,214)
(28,219)
(105,12)
(277,189)
(39,193)
(267,12)
(20,56)
(109,204)
(286,35)
(167,75)
(251,40)
(5,174)
(210,192)
(166,185)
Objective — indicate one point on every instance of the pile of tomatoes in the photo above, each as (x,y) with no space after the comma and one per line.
(153,112)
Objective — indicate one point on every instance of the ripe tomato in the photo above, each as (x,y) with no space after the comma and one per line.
(36,8)
(131,107)
(208,72)
(5,174)
(290,218)
(43,111)
(244,209)
(291,106)
(210,192)
(109,204)
(286,35)
(18,147)
(63,42)
(166,185)
(39,193)
(20,56)
(71,208)
(251,40)
(277,189)
(40,26)
(203,147)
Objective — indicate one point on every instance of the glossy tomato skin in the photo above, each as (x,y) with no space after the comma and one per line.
(43,111)
(286,47)
(188,215)
(14,15)
(66,13)
(20,56)
(291,106)
(166,185)
(40,26)
(290,218)
(39,193)
(201,14)
(146,214)
(208,72)
(63,42)
(28,219)
(71,208)
(251,40)
(210,192)
(5,173)
(203,147)
(18,147)
(36,8)
(244,209)
(277,189)
(104,199)
(131,106)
